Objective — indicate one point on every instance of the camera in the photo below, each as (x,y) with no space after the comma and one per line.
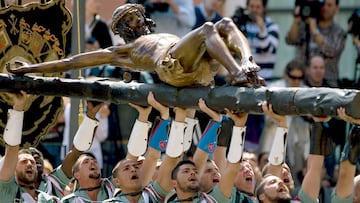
(309,8)
(241,17)
(355,23)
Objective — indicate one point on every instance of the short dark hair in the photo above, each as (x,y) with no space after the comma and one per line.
(178,165)
(294,64)
(75,167)
(116,168)
(33,151)
(261,154)
(264,2)
(265,169)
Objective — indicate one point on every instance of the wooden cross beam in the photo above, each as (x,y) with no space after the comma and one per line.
(285,101)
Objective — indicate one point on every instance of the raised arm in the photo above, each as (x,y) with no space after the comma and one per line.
(83,137)
(12,136)
(320,146)
(208,140)
(174,149)
(137,143)
(157,140)
(293,34)
(349,159)
(277,151)
(235,151)
(227,125)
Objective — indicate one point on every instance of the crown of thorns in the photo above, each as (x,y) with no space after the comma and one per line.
(121,11)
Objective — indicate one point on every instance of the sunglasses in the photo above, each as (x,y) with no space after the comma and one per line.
(295,77)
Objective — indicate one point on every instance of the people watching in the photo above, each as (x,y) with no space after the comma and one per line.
(315,72)
(263,35)
(321,36)
(95,26)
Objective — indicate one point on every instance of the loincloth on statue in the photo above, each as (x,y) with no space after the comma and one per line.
(172,72)
(152,53)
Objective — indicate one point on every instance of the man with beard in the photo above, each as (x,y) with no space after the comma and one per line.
(178,62)
(91,187)
(272,189)
(21,185)
(285,175)
(55,182)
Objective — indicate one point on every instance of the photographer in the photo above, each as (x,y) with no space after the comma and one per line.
(318,35)
(262,34)
(171,16)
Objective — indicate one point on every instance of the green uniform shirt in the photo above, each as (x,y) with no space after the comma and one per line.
(153,193)
(239,197)
(215,196)
(81,196)
(10,191)
(54,183)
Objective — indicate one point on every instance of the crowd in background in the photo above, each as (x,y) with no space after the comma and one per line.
(319,42)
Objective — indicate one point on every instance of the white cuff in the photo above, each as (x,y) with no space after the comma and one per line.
(277,151)
(189,131)
(236,145)
(13,129)
(138,140)
(85,134)
(175,146)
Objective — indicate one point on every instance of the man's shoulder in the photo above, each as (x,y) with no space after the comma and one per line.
(335,32)
(338,26)
(9,190)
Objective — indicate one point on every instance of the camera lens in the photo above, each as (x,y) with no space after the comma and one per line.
(306,11)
